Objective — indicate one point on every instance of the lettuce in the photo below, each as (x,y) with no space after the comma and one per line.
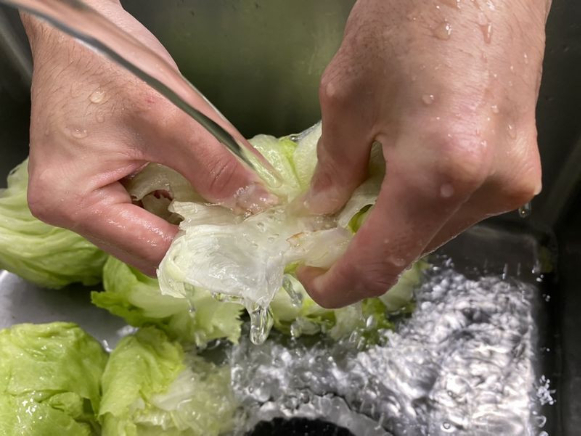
(246,259)
(48,256)
(136,298)
(49,380)
(151,387)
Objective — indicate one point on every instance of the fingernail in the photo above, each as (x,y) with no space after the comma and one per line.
(254,199)
(322,202)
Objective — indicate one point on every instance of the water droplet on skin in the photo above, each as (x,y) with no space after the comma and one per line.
(485,27)
(428,99)
(97,97)
(330,90)
(512,68)
(411,17)
(511,131)
(443,31)
(495,109)
(487,32)
(79,133)
(398,261)
(446,190)
(526,58)
(451,3)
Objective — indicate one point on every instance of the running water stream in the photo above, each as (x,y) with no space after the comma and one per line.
(93,29)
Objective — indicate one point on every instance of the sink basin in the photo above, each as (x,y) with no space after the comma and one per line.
(262,70)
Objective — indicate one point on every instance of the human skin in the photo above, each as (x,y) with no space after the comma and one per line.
(449,89)
(93,124)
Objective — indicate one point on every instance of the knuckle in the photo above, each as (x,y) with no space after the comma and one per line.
(463,161)
(520,191)
(48,201)
(223,176)
(336,87)
(42,204)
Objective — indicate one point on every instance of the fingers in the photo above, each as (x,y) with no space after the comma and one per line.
(170,137)
(345,144)
(107,218)
(416,201)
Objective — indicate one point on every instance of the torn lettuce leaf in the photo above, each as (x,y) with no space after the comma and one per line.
(43,254)
(49,380)
(135,297)
(151,387)
(244,259)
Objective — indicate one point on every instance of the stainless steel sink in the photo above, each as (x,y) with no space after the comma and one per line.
(259,62)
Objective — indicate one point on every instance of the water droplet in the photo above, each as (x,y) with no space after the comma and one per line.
(525,210)
(451,3)
(79,133)
(411,17)
(512,68)
(487,33)
(295,296)
(260,324)
(540,421)
(371,322)
(428,99)
(495,108)
(511,131)
(97,97)
(295,330)
(485,27)
(526,58)
(446,190)
(447,427)
(331,90)
(443,31)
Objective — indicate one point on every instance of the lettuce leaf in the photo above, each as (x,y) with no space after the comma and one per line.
(136,298)
(43,254)
(151,387)
(49,380)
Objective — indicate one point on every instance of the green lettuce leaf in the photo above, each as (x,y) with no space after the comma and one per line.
(136,298)
(49,380)
(151,387)
(43,254)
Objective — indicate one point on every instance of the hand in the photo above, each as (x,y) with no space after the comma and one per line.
(93,124)
(449,89)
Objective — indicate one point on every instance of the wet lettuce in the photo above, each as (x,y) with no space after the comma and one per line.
(135,297)
(152,387)
(49,380)
(46,255)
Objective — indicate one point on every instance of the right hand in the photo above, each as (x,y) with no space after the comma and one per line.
(93,124)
